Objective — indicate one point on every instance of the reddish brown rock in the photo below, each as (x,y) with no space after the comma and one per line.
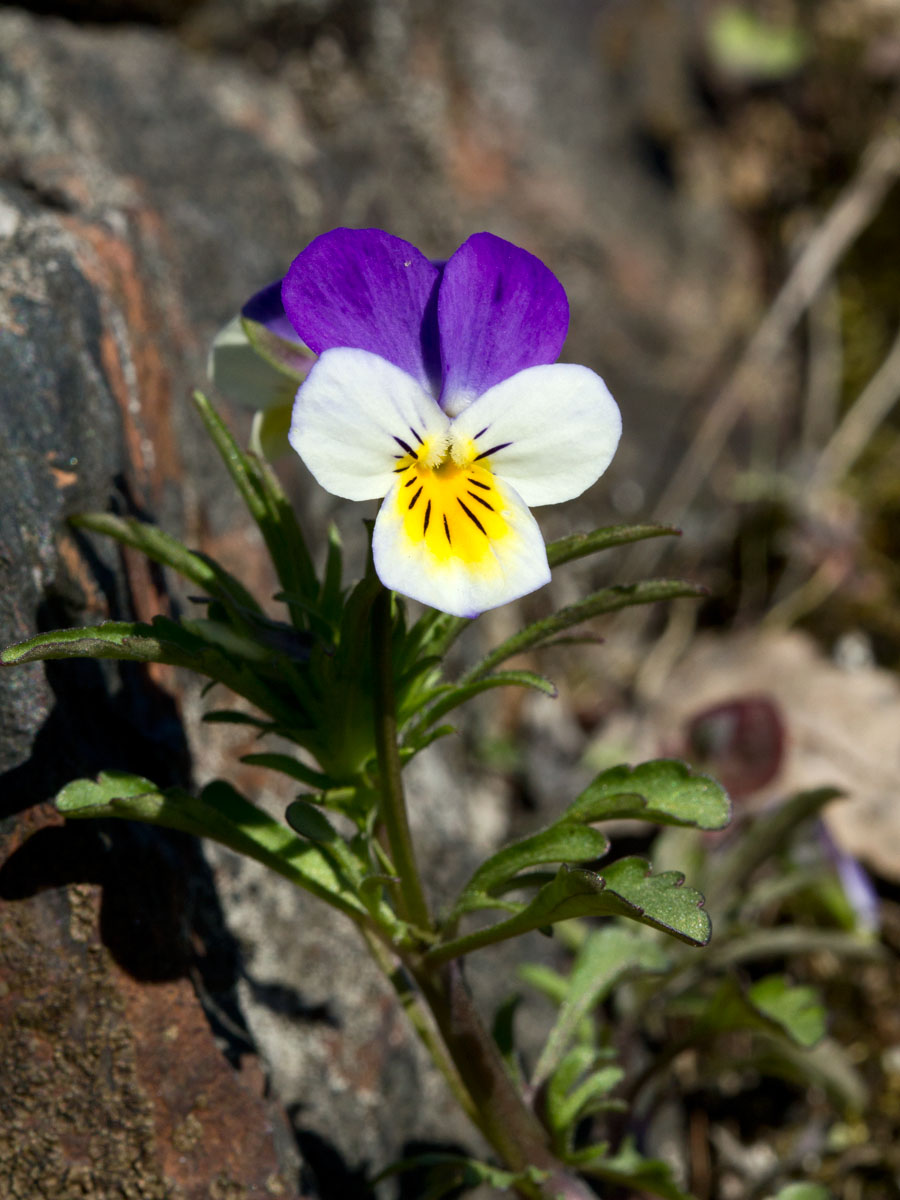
(113,1085)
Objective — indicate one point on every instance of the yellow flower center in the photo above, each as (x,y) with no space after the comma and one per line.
(451,501)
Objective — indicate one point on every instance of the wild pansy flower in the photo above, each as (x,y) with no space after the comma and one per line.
(437,388)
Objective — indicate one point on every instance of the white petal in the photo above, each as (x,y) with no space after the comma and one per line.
(430,544)
(353,417)
(556,428)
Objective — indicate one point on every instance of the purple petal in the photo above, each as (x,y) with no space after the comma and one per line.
(857,886)
(500,310)
(366,290)
(267,309)
(272,336)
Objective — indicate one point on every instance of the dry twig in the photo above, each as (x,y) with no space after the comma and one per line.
(852,211)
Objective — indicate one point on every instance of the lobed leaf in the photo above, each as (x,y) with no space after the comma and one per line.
(665,791)
(562,842)
(627,888)
(659,900)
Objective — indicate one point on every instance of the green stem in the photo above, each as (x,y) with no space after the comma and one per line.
(413,906)
(466,1054)
(445,952)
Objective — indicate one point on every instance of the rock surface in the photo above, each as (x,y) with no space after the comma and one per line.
(149,181)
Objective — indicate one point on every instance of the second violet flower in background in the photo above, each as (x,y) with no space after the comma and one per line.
(437,388)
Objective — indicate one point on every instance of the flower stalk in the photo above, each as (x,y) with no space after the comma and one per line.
(411,898)
(466,1053)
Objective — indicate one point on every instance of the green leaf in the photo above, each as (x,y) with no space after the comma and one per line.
(462,1172)
(434,633)
(578,545)
(664,791)
(771,1006)
(130,640)
(566,1107)
(626,889)
(572,1066)
(607,956)
(762,838)
(161,547)
(330,594)
(797,1010)
(802,1191)
(236,644)
(826,1066)
(659,901)
(631,1170)
(563,842)
(164,641)
(544,980)
(311,823)
(503,1032)
(292,767)
(422,743)
(744,44)
(608,600)
(84,794)
(783,941)
(220,813)
(453,696)
(269,507)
